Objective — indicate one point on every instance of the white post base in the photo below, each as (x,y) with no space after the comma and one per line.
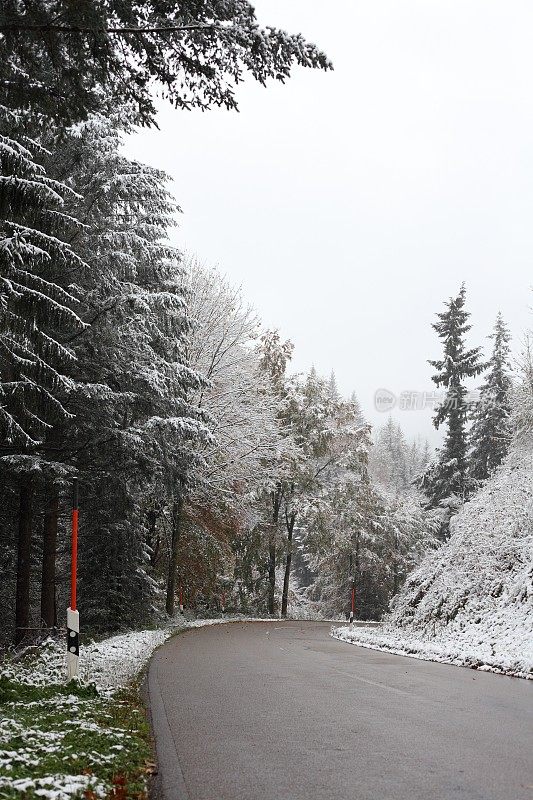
(73,643)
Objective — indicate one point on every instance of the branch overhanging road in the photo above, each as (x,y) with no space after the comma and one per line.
(281,711)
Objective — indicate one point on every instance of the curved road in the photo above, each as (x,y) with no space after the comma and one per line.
(281,711)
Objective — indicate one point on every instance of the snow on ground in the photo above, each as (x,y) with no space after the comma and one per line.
(56,787)
(471,601)
(109,664)
(113,662)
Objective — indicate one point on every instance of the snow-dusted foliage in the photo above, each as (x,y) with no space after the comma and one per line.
(471,601)
(395,464)
(36,311)
(350,527)
(222,348)
(492,429)
(196,52)
(133,379)
(219,515)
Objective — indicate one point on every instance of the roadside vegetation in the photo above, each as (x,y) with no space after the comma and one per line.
(60,740)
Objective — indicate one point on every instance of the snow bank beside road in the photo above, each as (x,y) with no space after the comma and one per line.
(447,650)
(109,664)
(471,601)
(115,661)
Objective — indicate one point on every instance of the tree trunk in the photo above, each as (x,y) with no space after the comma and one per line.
(177,506)
(277,496)
(48,580)
(22,602)
(289,521)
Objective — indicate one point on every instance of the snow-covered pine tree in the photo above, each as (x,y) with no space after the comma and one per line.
(37,315)
(389,458)
(333,388)
(394,464)
(135,433)
(492,428)
(419,458)
(58,57)
(447,481)
(523,397)
(357,408)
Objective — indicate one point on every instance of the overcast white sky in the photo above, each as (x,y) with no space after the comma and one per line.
(351,204)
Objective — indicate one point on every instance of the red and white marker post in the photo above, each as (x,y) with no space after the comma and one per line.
(73,618)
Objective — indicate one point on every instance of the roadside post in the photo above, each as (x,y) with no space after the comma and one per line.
(223,604)
(181,599)
(352,593)
(73,618)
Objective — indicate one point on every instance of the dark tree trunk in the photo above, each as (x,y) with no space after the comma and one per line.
(290,519)
(277,496)
(22,602)
(177,506)
(48,580)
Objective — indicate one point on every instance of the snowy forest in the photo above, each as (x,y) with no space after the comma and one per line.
(212,475)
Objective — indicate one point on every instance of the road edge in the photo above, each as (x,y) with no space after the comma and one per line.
(168,782)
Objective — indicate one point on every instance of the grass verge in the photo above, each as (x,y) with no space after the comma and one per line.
(66,741)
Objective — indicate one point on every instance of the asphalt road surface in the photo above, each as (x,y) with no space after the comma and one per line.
(281,711)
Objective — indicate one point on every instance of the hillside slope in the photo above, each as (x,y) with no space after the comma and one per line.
(471,601)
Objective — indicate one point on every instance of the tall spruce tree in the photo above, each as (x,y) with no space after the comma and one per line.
(37,313)
(448,479)
(133,431)
(491,429)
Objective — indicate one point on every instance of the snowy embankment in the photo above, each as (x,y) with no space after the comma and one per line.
(59,742)
(108,664)
(471,601)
